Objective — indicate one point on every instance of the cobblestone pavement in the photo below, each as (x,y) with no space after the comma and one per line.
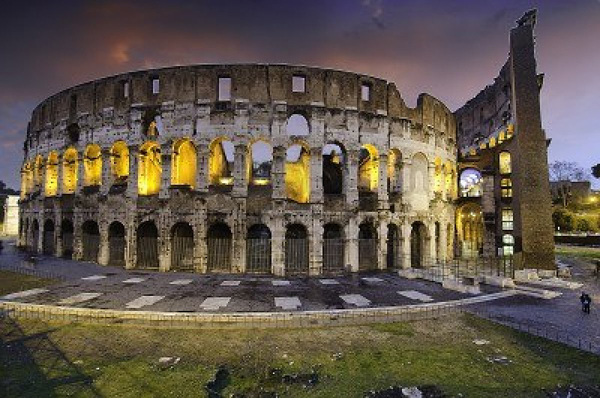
(562,314)
(93,286)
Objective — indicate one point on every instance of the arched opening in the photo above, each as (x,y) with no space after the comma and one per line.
(450,180)
(182,247)
(334,164)
(470,183)
(297,173)
(368,169)
(48,242)
(220,162)
(51,183)
(367,247)
(66,230)
(438,177)
(260,162)
(183,170)
(333,248)
(394,171)
(258,249)
(116,244)
(149,169)
(469,224)
(26,180)
(393,246)
(418,236)
(147,245)
(35,236)
(119,163)
(297,125)
(219,239)
(92,162)
(38,172)
(90,241)
(69,172)
(296,250)
(504,163)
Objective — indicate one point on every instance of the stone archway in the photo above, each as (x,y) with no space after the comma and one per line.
(258,249)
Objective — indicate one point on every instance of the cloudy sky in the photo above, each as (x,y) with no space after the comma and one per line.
(450,49)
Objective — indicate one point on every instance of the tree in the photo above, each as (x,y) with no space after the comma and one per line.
(560,171)
(4,190)
(563,220)
(596,170)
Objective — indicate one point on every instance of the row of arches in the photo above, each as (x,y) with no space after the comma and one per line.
(259,164)
(219,244)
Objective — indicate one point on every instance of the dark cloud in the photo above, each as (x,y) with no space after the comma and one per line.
(449,49)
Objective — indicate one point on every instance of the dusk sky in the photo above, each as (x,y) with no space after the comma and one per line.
(450,49)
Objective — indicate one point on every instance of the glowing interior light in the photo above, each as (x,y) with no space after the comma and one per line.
(226,180)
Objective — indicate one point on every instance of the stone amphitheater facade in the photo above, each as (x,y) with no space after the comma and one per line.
(240,168)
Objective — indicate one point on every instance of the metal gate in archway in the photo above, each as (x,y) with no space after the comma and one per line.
(90,240)
(147,246)
(258,249)
(296,250)
(393,247)
(367,248)
(333,249)
(116,244)
(35,236)
(219,244)
(66,230)
(48,241)
(182,247)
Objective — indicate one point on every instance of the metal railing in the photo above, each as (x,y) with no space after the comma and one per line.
(91,246)
(258,255)
(182,253)
(147,252)
(219,254)
(296,256)
(333,255)
(116,251)
(368,258)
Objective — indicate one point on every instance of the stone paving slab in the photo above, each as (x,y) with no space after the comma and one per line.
(143,301)
(280,283)
(134,280)
(288,303)
(94,278)
(231,283)
(24,293)
(372,280)
(415,295)
(214,303)
(181,282)
(328,282)
(79,298)
(356,299)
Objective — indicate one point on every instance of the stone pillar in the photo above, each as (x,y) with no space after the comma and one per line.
(240,180)
(443,183)
(431,175)
(239,237)
(278,172)
(316,175)
(200,249)
(131,234)
(166,151)
(106,172)
(59,176)
(132,179)
(277,246)
(406,183)
(202,158)
(352,245)
(316,246)
(382,188)
(103,252)
(80,174)
(405,230)
(488,208)
(431,242)
(382,230)
(443,253)
(351,182)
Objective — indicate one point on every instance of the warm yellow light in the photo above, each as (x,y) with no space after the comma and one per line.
(92,163)
(297,178)
(226,180)
(261,181)
(368,172)
(119,161)
(51,183)
(218,166)
(184,163)
(150,169)
(69,171)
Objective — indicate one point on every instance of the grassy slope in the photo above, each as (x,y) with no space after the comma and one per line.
(122,361)
(578,251)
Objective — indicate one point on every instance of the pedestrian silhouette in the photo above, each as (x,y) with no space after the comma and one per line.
(587,301)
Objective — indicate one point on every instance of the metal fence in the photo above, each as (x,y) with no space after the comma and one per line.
(219,254)
(367,254)
(116,251)
(91,246)
(333,255)
(67,242)
(458,268)
(28,267)
(393,254)
(48,245)
(296,256)
(182,253)
(258,255)
(147,252)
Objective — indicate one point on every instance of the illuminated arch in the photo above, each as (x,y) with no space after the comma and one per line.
(470,183)
(469,227)
(394,170)
(183,171)
(368,169)
(119,162)
(69,172)
(259,163)
(505,162)
(297,125)
(27,185)
(334,164)
(92,163)
(150,169)
(450,180)
(51,182)
(38,172)
(297,173)
(438,180)
(220,157)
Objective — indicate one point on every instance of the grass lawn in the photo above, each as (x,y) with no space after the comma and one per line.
(14,282)
(578,251)
(82,360)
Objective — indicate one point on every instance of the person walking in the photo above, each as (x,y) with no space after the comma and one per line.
(587,301)
(582,298)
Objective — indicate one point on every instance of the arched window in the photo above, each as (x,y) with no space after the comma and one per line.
(260,162)
(506,187)
(297,173)
(51,183)
(92,163)
(119,162)
(220,162)
(508,243)
(150,169)
(27,179)
(368,169)
(297,125)
(334,160)
(394,170)
(38,172)
(184,163)
(70,165)
(470,183)
(504,162)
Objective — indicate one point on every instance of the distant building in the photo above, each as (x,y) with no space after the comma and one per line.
(10,225)
(575,190)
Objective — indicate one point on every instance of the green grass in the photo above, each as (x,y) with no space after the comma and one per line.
(14,282)
(122,361)
(578,251)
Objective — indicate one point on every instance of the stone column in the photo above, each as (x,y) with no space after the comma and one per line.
(132,179)
(239,237)
(240,180)
(316,246)
(103,252)
(131,234)
(80,174)
(59,176)
(443,183)
(431,174)
(351,182)
(202,158)
(406,183)
(443,254)
(106,172)
(316,174)
(382,188)
(277,246)
(382,230)
(166,151)
(406,230)
(352,245)
(278,172)
(431,242)
(488,208)
(200,248)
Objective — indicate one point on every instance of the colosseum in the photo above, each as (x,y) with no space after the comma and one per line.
(287,170)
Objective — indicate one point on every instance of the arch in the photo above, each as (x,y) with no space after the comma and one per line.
(69,171)
(116,244)
(296,250)
(51,182)
(368,258)
(297,124)
(48,241)
(183,170)
(35,235)
(438,176)
(393,246)
(470,183)
(182,247)
(297,173)
(67,232)
(394,170)
(92,162)
(90,240)
(333,248)
(504,162)
(258,249)
(469,225)
(334,164)
(219,244)
(38,172)
(220,162)
(260,162)
(418,246)
(119,162)
(368,168)
(419,174)
(149,169)
(147,245)
(27,185)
